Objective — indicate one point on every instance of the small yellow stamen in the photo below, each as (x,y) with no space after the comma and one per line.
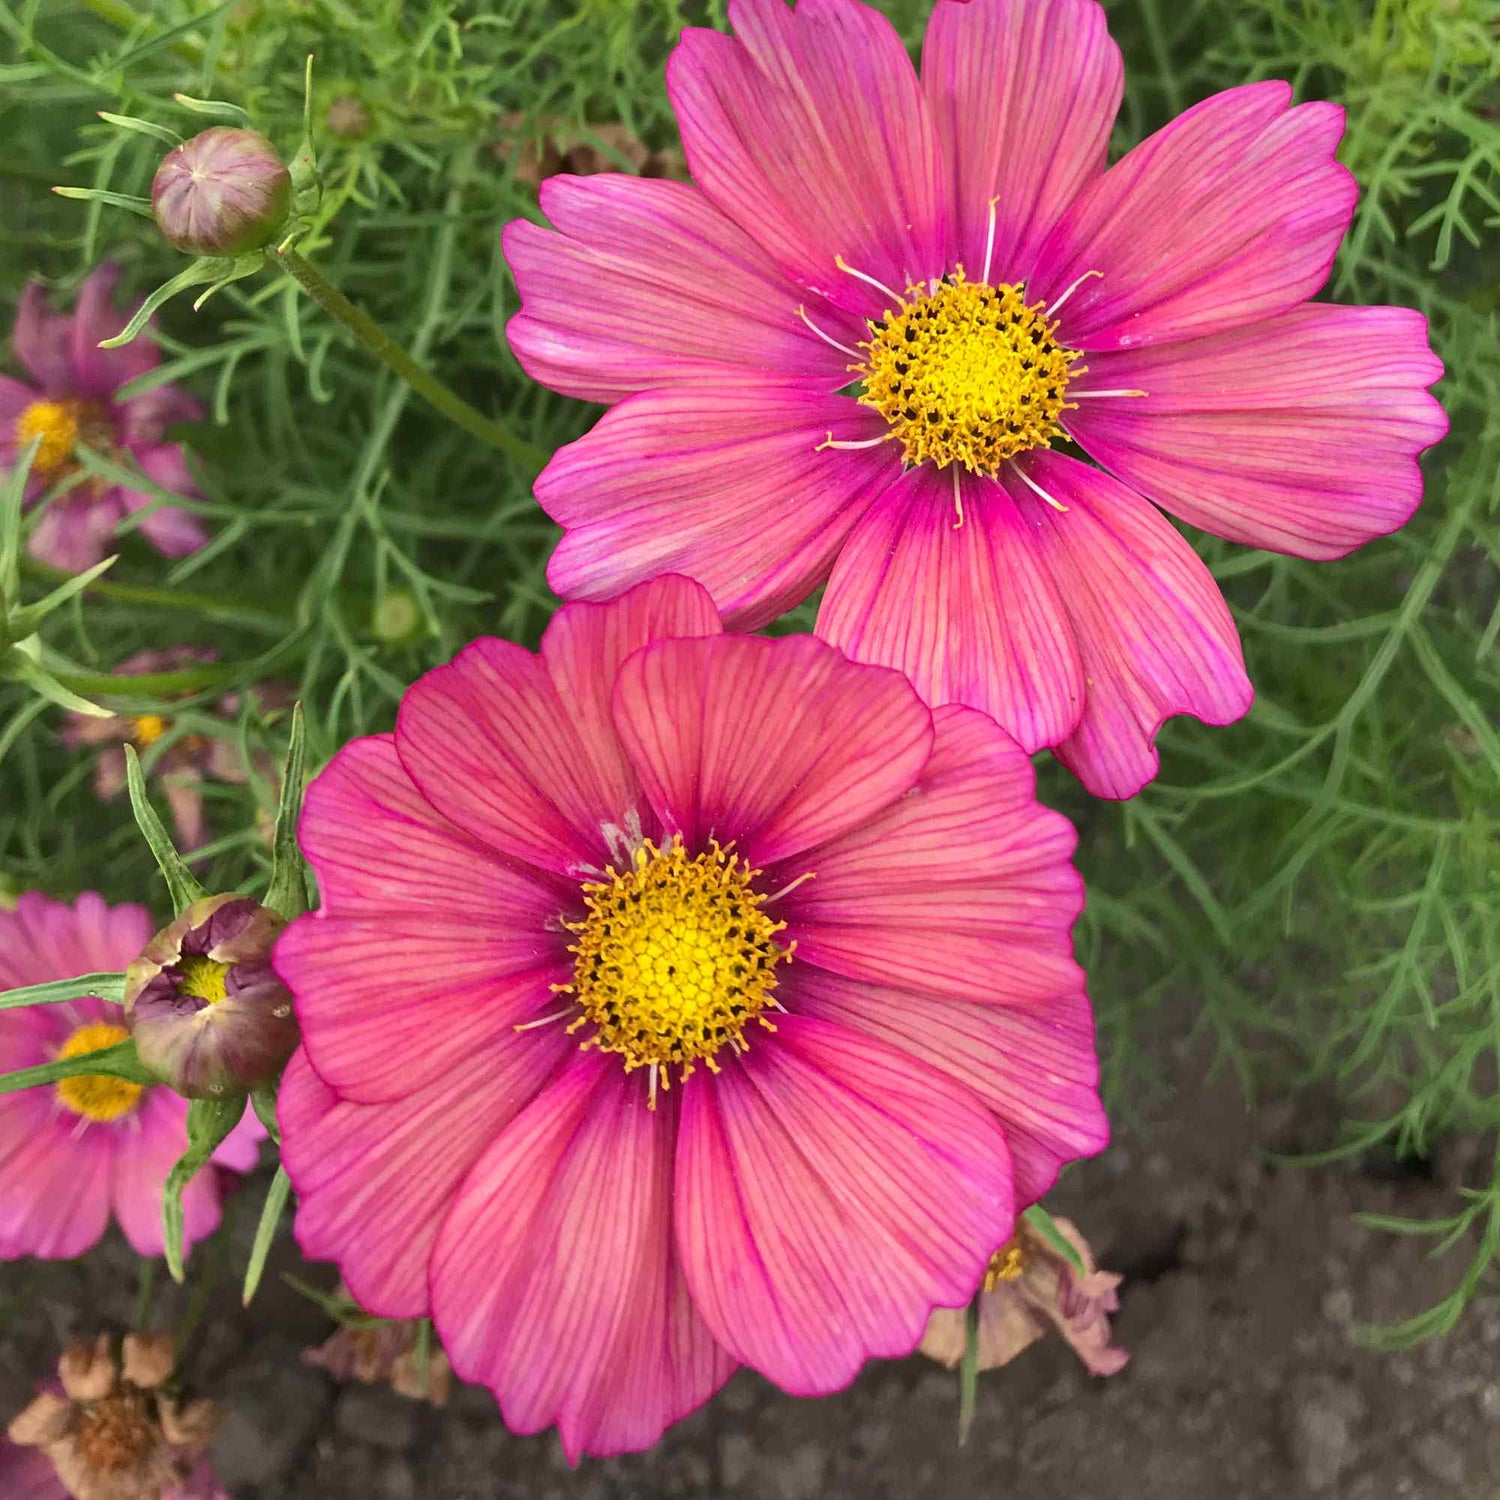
(96,1096)
(147,729)
(1006,1264)
(201,977)
(967,373)
(56,423)
(674,959)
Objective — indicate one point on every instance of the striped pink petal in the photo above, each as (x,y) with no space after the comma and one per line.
(555,1281)
(54,1186)
(1033,1065)
(145,1149)
(810,131)
(1153,631)
(962,889)
(968,612)
(727,484)
(1232,212)
(776,745)
(830,1192)
(375,1181)
(1299,434)
(645,284)
(1023,93)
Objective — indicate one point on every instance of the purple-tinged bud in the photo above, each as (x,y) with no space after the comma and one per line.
(225,192)
(348,119)
(207,1011)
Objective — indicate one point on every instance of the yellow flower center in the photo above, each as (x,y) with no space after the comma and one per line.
(147,729)
(201,977)
(1006,1264)
(96,1096)
(968,374)
(674,959)
(56,423)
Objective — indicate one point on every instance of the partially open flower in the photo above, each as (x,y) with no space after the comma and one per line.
(1029,1287)
(208,1014)
(115,1431)
(224,192)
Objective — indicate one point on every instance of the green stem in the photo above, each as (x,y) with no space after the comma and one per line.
(395,358)
(117,13)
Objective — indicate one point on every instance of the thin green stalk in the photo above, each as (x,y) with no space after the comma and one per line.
(395,358)
(117,13)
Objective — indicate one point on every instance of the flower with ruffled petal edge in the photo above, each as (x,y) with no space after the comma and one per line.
(954,245)
(1031,1288)
(79,1151)
(208,1014)
(184,765)
(111,1431)
(677,1000)
(73,400)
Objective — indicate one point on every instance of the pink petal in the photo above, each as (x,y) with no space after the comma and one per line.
(728,484)
(239,1151)
(42,939)
(374,1181)
(379,847)
(810,131)
(172,531)
(54,1185)
(831,1191)
(76,531)
(96,371)
(1299,434)
(1023,93)
(646,284)
(146,418)
(1034,1065)
(148,1145)
(775,744)
(1232,212)
(1153,631)
(41,339)
(961,889)
(968,613)
(28,1474)
(390,1004)
(555,1282)
(14,399)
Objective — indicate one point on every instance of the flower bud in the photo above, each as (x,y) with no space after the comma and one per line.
(225,192)
(348,119)
(207,1011)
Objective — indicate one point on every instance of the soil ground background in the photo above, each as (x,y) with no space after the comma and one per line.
(1245,1283)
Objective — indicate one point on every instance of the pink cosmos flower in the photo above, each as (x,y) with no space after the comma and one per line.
(75,1153)
(954,245)
(678,1000)
(72,401)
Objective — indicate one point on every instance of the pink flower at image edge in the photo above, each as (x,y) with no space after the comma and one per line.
(75,1154)
(861,919)
(71,398)
(846,211)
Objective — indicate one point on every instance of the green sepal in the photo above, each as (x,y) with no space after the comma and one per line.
(263,1100)
(23,622)
(215,109)
(968,1372)
(208,1122)
(19,663)
(161,133)
(1046,1226)
(181,883)
(110,987)
(265,1232)
(205,268)
(287,893)
(141,206)
(119,1061)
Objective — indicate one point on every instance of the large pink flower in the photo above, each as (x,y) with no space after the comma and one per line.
(78,1151)
(570,881)
(955,245)
(73,401)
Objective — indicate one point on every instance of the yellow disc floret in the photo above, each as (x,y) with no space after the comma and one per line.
(674,959)
(147,729)
(201,977)
(56,424)
(968,374)
(1006,1264)
(96,1096)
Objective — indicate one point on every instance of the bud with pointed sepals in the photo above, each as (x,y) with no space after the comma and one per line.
(224,192)
(209,1015)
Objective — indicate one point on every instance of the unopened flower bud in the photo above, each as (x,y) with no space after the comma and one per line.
(225,192)
(348,119)
(207,1011)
